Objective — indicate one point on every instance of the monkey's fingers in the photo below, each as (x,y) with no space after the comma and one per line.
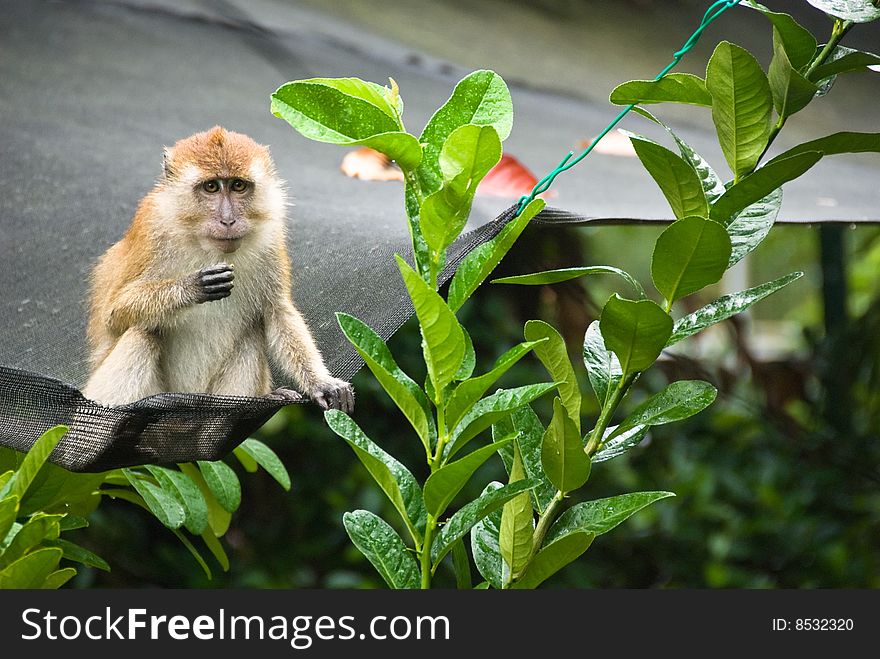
(217,269)
(217,278)
(347,398)
(321,399)
(216,292)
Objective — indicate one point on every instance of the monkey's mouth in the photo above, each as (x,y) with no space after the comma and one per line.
(225,245)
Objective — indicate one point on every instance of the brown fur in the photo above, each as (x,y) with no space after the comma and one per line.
(155,323)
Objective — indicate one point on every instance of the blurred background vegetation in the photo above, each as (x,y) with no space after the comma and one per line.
(776,483)
(774,488)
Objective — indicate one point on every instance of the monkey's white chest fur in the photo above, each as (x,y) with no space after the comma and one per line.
(219,347)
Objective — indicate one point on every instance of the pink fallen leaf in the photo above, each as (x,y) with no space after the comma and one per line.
(370,165)
(509,178)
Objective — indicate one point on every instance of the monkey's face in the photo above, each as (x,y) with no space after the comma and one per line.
(225,204)
(224,189)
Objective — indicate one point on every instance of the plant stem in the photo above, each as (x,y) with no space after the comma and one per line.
(544,522)
(607,412)
(425,557)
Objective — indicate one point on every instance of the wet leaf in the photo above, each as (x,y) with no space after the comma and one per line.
(689,255)
(602,515)
(677,401)
(635,331)
(742,105)
(603,366)
(725,307)
(562,452)
(672,88)
(380,543)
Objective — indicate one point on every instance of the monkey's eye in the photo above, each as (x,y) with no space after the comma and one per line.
(211,187)
(239,185)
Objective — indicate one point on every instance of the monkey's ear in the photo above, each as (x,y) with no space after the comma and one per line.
(166,163)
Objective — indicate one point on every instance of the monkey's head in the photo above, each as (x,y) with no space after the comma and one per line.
(221,189)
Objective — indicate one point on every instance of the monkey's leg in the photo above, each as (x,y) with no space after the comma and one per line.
(129,372)
(291,344)
(246,372)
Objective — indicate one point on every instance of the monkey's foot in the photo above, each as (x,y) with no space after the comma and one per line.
(286,395)
(334,394)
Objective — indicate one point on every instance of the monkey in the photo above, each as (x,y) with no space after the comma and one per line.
(196,296)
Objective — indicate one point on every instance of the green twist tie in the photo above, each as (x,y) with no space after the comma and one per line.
(712,13)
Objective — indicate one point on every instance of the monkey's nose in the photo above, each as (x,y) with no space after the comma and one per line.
(227,221)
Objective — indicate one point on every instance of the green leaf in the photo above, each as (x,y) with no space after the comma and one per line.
(602,515)
(526,428)
(37,530)
(554,356)
(223,482)
(406,394)
(562,452)
(689,255)
(187,493)
(848,60)
(268,460)
(713,186)
(564,274)
(612,447)
(603,366)
(761,183)
(798,42)
(193,552)
(792,92)
(857,11)
(442,337)
(73,552)
(166,508)
(31,570)
(677,179)
(491,409)
(462,566)
(677,401)
(250,465)
(481,98)
(72,522)
(58,578)
(725,307)
(8,514)
(32,462)
(672,88)
(380,543)
(466,394)
(54,489)
(468,154)
(484,542)
(370,92)
(213,544)
(325,110)
(634,331)
(469,363)
(442,486)
(471,515)
(517,524)
(218,518)
(750,226)
(481,261)
(395,480)
(830,145)
(553,557)
(741,105)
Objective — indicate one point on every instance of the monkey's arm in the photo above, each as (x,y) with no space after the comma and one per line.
(150,303)
(292,347)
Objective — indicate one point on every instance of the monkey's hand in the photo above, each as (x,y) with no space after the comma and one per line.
(334,394)
(213,283)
